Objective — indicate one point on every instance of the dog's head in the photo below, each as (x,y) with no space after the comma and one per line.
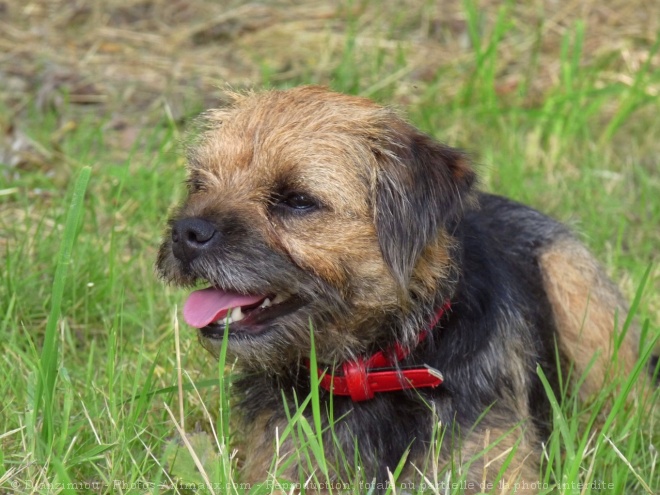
(312,208)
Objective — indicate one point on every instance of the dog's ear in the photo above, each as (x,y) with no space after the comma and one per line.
(421,188)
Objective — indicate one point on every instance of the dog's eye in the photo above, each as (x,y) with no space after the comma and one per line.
(297,202)
(195,184)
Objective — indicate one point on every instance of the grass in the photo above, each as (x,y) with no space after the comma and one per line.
(86,326)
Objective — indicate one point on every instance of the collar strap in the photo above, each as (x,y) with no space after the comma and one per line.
(362,378)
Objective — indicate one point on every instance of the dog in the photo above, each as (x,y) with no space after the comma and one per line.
(316,215)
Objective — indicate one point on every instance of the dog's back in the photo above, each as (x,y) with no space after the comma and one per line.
(556,283)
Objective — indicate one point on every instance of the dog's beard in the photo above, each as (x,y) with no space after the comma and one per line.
(278,305)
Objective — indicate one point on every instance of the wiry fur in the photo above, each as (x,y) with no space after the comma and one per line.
(398,230)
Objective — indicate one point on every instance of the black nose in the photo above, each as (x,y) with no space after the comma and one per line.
(191,237)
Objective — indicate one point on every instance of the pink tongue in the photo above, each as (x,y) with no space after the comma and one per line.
(208,305)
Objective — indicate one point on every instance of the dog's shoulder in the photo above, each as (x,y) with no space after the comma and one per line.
(514,227)
(501,285)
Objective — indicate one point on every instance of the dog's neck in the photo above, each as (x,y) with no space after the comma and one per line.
(362,378)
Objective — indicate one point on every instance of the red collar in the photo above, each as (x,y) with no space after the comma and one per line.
(361,383)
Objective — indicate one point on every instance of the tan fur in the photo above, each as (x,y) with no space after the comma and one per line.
(478,465)
(585,305)
(257,449)
(434,264)
(492,448)
(260,148)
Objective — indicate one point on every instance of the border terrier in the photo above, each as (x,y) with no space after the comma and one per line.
(430,303)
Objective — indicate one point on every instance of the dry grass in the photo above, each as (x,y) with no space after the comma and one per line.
(128,57)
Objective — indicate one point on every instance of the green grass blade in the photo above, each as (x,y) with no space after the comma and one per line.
(634,306)
(558,418)
(316,405)
(397,472)
(43,400)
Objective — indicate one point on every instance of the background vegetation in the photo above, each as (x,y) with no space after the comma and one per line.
(556,101)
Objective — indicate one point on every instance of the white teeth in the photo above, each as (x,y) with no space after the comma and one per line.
(280,298)
(236,315)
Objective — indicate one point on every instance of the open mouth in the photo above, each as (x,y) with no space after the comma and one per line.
(211,309)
